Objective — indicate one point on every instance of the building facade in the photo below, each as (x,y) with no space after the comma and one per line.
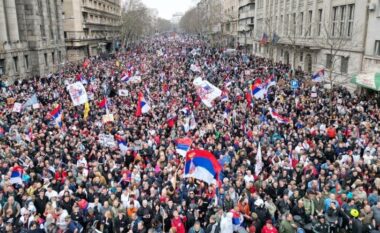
(371,61)
(230,22)
(31,38)
(91,27)
(312,34)
(246,24)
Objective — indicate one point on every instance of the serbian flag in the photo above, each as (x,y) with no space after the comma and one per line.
(123,146)
(142,105)
(278,117)
(270,81)
(258,91)
(126,76)
(224,96)
(56,115)
(29,135)
(237,218)
(172,119)
(318,76)
(202,165)
(103,103)
(16,175)
(183,146)
(264,39)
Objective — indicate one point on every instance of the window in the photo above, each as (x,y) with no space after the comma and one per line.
(52,57)
(377,48)
(334,21)
(344,65)
(294,24)
(351,9)
(15,62)
(286,28)
(301,57)
(282,52)
(301,24)
(59,56)
(252,6)
(26,61)
(281,23)
(46,61)
(328,61)
(309,21)
(2,66)
(342,20)
(320,13)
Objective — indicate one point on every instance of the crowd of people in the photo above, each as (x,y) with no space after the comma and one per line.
(320,170)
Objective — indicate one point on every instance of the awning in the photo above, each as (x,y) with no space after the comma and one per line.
(370,80)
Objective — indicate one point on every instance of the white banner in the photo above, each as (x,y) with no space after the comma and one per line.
(78,93)
(17,107)
(108,118)
(107,140)
(206,91)
(123,92)
(134,79)
(195,68)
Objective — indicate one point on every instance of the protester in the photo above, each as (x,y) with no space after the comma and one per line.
(121,161)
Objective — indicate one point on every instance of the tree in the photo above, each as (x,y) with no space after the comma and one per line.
(335,38)
(134,18)
(163,25)
(191,21)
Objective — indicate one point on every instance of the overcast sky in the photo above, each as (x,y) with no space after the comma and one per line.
(167,8)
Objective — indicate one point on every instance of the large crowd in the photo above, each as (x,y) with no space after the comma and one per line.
(320,171)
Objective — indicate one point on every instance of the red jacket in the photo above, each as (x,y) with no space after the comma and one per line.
(178,225)
(267,230)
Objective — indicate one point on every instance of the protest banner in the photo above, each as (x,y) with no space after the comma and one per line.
(123,92)
(77,93)
(17,107)
(107,140)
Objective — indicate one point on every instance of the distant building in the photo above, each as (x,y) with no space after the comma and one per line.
(91,27)
(176,18)
(246,24)
(31,38)
(230,18)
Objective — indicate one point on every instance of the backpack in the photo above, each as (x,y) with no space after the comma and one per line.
(300,230)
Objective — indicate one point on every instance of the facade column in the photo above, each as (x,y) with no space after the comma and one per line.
(12,23)
(3,24)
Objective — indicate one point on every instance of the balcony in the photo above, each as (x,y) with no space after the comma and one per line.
(243,3)
(248,14)
(82,36)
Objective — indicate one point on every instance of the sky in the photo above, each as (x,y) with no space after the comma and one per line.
(166,8)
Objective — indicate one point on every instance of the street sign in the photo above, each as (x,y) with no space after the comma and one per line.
(294,84)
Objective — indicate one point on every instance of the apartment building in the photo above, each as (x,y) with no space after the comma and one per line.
(246,24)
(371,61)
(31,38)
(314,34)
(230,22)
(91,27)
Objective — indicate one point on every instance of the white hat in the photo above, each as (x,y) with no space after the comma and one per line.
(259,202)
(32,208)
